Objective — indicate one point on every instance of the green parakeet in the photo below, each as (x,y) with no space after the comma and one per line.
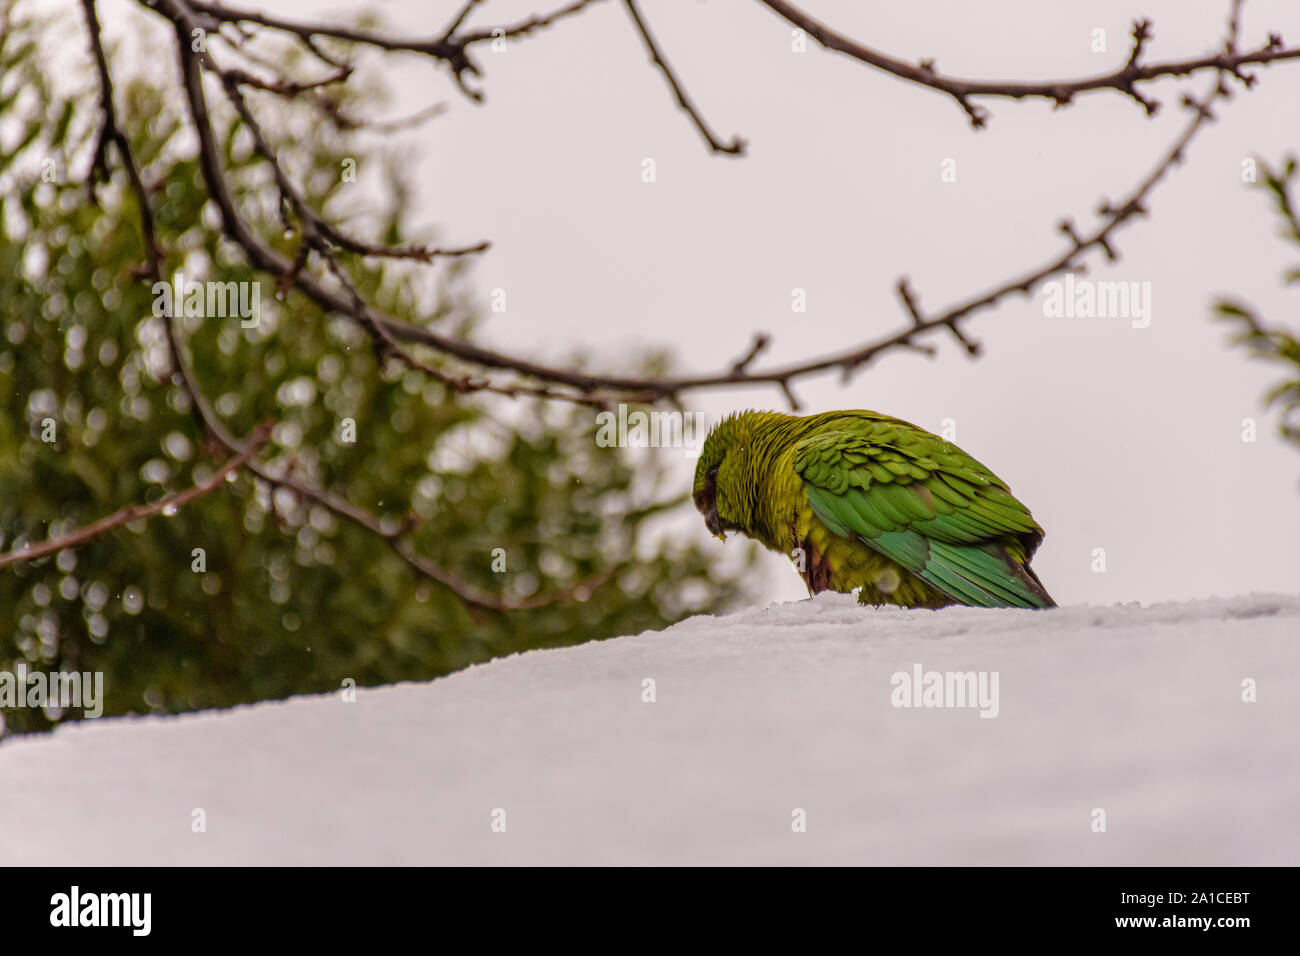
(861,500)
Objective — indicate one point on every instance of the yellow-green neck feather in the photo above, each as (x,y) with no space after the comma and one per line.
(747,447)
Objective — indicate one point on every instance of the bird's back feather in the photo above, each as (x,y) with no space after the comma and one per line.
(924,504)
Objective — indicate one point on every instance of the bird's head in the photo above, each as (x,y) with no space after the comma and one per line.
(720,475)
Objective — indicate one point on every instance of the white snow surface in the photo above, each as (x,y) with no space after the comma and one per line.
(1135,711)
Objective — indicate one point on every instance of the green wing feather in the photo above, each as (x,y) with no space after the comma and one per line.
(926,505)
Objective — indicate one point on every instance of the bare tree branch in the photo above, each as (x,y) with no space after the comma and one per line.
(737,145)
(110,132)
(1060,92)
(446,47)
(459,18)
(283,87)
(316,230)
(600,389)
(549,382)
(761,341)
(525,27)
(395,535)
(244,452)
(849,361)
(168,504)
(264,257)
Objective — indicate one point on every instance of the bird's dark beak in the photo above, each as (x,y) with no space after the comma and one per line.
(715,524)
(706,503)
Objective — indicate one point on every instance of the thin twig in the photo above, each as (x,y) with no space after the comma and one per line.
(737,145)
(526,26)
(244,452)
(584,386)
(169,504)
(110,132)
(1060,92)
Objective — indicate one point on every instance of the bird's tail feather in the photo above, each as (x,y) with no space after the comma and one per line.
(984,576)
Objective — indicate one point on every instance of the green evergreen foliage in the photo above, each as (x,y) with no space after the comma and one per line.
(1271,341)
(293,599)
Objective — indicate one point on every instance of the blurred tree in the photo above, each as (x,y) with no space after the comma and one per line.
(1274,342)
(252,592)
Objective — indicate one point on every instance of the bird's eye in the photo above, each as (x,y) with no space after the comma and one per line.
(712,474)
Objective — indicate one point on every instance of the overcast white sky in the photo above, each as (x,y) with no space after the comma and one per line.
(1118,438)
